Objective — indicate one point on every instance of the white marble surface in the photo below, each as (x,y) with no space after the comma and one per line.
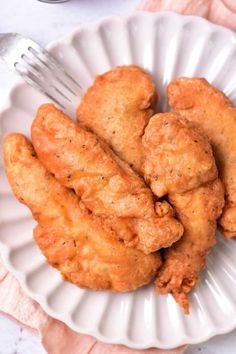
(16,340)
(43,23)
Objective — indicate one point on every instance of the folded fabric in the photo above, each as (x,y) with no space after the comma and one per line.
(221,12)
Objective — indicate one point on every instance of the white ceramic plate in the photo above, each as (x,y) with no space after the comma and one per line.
(167,45)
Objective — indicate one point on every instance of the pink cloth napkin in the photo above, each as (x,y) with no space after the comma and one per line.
(222,12)
(56,337)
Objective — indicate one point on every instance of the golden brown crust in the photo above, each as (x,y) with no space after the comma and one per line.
(198,211)
(182,158)
(200,102)
(82,246)
(117,107)
(175,142)
(107,185)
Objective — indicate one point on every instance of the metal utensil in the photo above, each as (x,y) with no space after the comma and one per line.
(39,69)
(53,1)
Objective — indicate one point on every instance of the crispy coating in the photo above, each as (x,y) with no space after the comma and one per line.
(174,141)
(175,147)
(107,185)
(200,102)
(198,211)
(82,246)
(117,107)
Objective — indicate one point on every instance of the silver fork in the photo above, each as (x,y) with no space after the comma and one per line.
(39,69)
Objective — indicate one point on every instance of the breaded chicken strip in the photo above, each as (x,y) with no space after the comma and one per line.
(200,102)
(198,211)
(74,241)
(117,107)
(179,162)
(179,157)
(107,185)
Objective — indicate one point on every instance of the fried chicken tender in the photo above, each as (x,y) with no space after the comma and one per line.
(198,211)
(200,102)
(179,157)
(117,107)
(179,162)
(107,185)
(73,240)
